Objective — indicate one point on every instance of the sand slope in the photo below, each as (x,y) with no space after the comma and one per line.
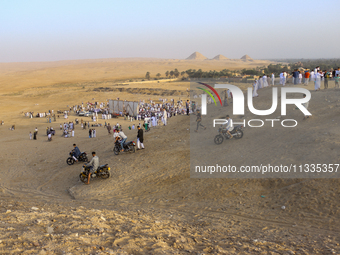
(177,214)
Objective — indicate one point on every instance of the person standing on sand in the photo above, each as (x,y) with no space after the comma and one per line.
(264,81)
(307,74)
(187,104)
(165,117)
(317,81)
(255,86)
(36,130)
(300,77)
(326,77)
(260,84)
(281,78)
(140,138)
(146,125)
(109,128)
(30,135)
(336,78)
(198,120)
(295,80)
(284,78)
(273,79)
(35,135)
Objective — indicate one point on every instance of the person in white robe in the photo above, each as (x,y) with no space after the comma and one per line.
(317,81)
(255,87)
(300,77)
(312,76)
(284,79)
(229,93)
(264,81)
(154,121)
(281,78)
(165,117)
(260,84)
(273,79)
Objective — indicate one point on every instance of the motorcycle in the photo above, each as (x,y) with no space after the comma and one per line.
(101,172)
(128,147)
(237,133)
(82,158)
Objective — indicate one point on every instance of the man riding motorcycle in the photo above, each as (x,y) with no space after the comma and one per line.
(228,126)
(94,164)
(75,152)
(120,135)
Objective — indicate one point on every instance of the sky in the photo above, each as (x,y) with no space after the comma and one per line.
(80,29)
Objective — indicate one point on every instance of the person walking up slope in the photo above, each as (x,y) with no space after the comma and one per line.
(198,120)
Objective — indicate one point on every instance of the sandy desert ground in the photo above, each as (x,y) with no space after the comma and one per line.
(150,205)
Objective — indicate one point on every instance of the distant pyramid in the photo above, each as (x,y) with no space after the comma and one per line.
(196,55)
(220,57)
(246,57)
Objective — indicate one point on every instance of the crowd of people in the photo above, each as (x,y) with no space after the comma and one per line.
(300,77)
(150,114)
(68,129)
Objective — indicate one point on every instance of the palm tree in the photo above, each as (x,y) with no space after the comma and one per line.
(176,73)
(147,75)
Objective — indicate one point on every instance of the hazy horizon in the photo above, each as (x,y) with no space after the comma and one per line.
(37,31)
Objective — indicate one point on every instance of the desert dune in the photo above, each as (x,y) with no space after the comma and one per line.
(150,205)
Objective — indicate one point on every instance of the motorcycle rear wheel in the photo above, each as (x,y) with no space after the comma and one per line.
(84,158)
(218,139)
(105,174)
(239,134)
(70,161)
